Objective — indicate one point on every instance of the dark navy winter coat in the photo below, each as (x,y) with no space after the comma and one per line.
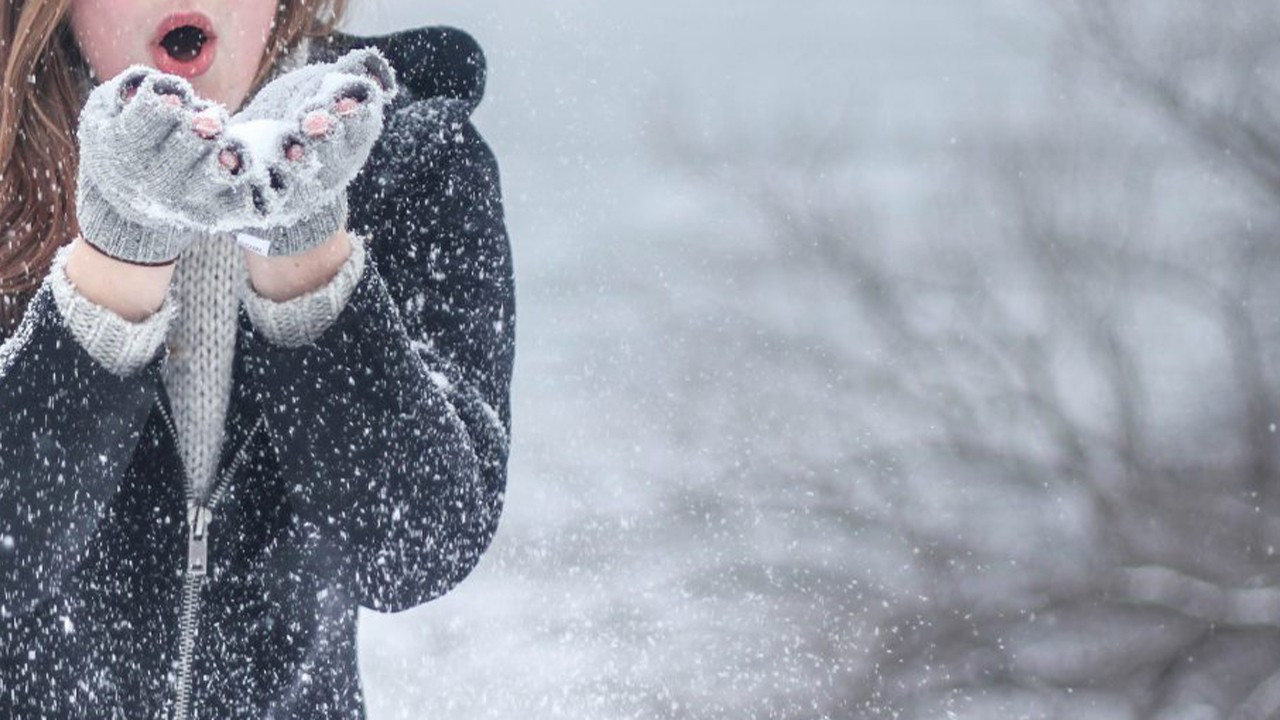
(366,469)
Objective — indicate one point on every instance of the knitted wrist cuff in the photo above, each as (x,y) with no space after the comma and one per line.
(102,227)
(302,320)
(307,232)
(121,346)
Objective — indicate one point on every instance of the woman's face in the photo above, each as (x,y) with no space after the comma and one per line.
(216,44)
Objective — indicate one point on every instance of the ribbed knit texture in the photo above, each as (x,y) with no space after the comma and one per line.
(308,232)
(115,235)
(198,322)
(202,345)
(123,347)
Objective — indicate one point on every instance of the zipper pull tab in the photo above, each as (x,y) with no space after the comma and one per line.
(198,518)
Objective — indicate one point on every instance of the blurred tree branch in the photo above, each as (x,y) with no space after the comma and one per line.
(1002,368)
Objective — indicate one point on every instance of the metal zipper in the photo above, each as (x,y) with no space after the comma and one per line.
(199,518)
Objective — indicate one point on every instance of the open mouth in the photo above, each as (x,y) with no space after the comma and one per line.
(184,45)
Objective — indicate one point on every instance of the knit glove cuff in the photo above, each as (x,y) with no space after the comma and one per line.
(303,235)
(104,228)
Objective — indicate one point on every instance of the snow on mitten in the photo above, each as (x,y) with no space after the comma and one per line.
(312,130)
(156,169)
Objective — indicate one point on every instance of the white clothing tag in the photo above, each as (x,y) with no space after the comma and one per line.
(254,243)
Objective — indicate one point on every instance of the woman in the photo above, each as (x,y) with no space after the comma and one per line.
(212,457)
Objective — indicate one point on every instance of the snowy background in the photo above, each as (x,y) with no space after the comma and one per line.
(875,358)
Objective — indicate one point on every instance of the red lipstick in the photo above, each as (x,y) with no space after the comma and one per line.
(184,44)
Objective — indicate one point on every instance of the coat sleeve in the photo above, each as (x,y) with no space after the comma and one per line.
(70,430)
(392,428)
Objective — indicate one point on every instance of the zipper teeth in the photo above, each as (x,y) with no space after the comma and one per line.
(188,624)
(219,486)
(187,627)
(173,431)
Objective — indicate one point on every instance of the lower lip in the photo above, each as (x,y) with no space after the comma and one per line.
(198,65)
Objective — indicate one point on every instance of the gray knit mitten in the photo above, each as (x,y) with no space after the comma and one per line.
(156,169)
(311,130)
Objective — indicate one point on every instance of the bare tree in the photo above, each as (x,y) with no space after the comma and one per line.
(1035,524)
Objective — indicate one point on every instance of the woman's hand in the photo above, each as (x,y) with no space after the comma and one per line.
(161,168)
(157,169)
(311,131)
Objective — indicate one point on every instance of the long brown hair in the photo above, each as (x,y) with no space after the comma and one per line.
(43,81)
